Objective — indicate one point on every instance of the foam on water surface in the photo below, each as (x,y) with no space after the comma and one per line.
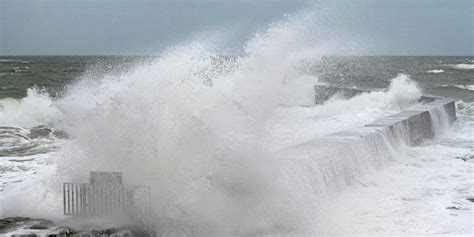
(436,71)
(463,66)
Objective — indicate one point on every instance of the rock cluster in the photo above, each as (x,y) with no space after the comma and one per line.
(29,227)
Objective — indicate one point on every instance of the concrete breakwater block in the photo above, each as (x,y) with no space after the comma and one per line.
(325,165)
(417,125)
(446,105)
(420,122)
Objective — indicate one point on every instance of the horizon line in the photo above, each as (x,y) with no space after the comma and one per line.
(158,55)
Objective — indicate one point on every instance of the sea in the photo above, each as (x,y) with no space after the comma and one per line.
(446,76)
(204,131)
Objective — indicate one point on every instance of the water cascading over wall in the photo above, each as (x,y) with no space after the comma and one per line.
(325,165)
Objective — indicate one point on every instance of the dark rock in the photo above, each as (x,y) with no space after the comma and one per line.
(453,208)
(38,227)
(465,158)
(104,231)
(27,227)
(111,232)
(41,224)
(60,134)
(470,198)
(10,223)
(40,132)
(62,231)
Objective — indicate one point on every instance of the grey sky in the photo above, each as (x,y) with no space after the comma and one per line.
(93,27)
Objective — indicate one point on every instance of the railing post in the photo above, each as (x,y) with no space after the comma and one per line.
(105,196)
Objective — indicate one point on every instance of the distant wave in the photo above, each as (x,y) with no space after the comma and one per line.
(463,66)
(464,87)
(7,60)
(21,69)
(436,71)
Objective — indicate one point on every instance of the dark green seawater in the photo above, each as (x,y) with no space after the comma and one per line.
(55,73)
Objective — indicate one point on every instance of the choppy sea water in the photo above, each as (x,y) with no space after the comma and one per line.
(443,76)
(187,125)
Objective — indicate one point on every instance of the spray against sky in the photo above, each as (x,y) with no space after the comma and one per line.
(392,27)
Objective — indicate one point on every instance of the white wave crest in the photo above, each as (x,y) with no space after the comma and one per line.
(465,87)
(463,66)
(436,71)
(35,109)
(402,92)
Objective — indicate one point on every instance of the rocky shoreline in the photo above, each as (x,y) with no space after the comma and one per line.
(31,227)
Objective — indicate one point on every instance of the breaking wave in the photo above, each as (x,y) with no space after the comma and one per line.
(36,109)
(463,87)
(191,125)
(436,71)
(463,66)
(401,93)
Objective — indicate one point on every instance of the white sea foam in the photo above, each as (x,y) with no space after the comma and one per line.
(418,194)
(465,108)
(463,66)
(436,71)
(464,87)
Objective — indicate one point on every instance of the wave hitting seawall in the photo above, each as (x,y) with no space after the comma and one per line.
(325,165)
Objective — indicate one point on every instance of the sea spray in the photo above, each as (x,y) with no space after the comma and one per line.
(440,122)
(194,138)
(233,178)
(192,130)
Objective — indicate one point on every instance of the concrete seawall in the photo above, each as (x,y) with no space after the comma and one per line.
(325,165)
(422,121)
